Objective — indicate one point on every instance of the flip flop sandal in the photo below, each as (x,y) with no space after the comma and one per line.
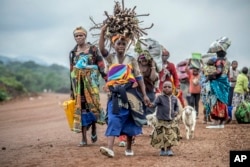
(82,144)
(93,138)
(107,152)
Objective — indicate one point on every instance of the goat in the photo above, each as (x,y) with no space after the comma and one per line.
(189,120)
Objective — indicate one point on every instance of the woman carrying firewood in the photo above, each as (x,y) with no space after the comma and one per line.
(123,78)
(125,114)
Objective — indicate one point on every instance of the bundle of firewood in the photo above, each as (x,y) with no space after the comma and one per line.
(123,21)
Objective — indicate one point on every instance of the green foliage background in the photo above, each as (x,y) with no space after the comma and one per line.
(17,79)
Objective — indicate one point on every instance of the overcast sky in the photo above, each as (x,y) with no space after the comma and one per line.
(43,28)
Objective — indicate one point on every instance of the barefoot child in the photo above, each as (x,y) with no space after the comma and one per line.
(166,130)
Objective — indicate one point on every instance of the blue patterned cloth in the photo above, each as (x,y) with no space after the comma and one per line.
(214,90)
(220,87)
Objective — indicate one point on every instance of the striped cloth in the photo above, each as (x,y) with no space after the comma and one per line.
(120,74)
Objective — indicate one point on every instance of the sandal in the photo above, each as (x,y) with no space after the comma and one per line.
(93,138)
(82,144)
(107,152)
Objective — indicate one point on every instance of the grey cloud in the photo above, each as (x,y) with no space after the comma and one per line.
(44,28)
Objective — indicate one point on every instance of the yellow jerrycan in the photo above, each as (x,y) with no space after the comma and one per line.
(69,108)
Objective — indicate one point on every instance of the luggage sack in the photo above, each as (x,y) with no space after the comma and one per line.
(242,113)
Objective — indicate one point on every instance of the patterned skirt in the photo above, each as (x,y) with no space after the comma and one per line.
(237,99)
(165,134)
(86,92)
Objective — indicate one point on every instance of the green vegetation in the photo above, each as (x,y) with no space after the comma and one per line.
(17,79)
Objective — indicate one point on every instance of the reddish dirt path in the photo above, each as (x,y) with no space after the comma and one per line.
(34,132)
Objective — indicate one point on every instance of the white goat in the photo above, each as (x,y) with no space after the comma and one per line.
(151,119)
(189,120)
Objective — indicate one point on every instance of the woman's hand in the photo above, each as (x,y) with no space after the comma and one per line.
(153,64)
(135,84)
(150,105)
(105,89)
(104,28)
(146,100)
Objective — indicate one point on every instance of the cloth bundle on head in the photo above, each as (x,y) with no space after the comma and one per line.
(150,48)
(80,30)
(221,44)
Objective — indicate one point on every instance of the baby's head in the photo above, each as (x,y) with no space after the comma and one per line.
(211,61)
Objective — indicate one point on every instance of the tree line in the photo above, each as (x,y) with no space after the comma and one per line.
(24,78)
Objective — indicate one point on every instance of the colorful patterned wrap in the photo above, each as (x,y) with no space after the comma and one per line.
(120,74)
(90,87)
(216,98)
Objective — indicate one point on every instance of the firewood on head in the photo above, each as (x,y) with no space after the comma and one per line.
(124,21)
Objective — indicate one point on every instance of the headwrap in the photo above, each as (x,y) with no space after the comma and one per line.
(118,36)
(80,29)
(142,56)
(165,51)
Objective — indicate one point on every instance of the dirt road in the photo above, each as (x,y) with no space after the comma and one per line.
(34,132)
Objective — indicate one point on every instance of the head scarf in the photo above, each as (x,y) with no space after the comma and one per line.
(118,36)
(165,51)
(80,29)
(142,56)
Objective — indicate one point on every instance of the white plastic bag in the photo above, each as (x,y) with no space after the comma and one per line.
(155,51)
(222,43)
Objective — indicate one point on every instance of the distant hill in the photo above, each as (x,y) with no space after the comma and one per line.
(21,78)
(6,59)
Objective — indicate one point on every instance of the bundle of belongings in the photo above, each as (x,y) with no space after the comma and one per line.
(195,61)
(222,43)
(123,22)
(151,49)
(209,60)
(181,70)
(242,113)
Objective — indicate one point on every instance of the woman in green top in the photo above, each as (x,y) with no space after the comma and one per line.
(241,87)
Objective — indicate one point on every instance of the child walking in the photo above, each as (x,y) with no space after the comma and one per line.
(165,134)
(194,88)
